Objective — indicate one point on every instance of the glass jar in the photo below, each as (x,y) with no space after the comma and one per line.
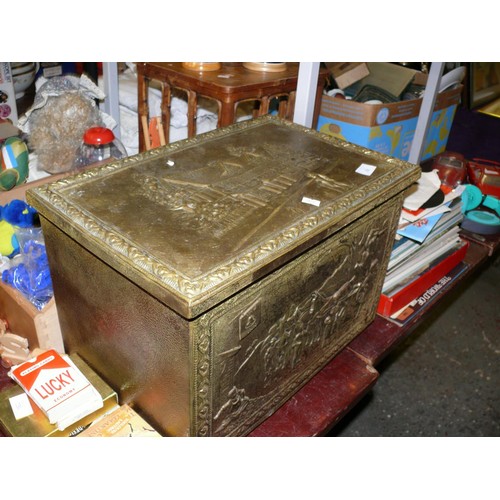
(99,144)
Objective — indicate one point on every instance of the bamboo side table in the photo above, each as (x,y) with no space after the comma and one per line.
(230,85)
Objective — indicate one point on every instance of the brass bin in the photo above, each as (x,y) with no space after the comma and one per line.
(208,280)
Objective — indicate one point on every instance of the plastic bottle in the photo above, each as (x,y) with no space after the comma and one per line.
(99,144)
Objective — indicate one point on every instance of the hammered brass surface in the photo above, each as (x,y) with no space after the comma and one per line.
(195,221)
(135,343)
(208,280)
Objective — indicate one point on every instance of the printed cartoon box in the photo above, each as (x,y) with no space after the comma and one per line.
(389,128)
(8,107)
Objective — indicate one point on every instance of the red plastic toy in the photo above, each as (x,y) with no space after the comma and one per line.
(451,168)
(485,174)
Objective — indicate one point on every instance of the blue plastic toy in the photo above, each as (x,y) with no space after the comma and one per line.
(15,214)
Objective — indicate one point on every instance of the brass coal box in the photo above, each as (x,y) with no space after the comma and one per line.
(208,280)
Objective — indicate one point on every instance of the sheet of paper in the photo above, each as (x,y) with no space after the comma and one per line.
(21,406)
(428,184)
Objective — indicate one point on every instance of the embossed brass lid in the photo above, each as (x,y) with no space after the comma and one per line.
(196,221)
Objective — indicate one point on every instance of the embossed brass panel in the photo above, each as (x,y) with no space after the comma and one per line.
(216,275)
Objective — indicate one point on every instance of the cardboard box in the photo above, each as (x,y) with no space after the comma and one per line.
(123,421)
(389,128)
(347,73)
(7,129)
(390,77)
(8,106)
(230,268)
(41,328)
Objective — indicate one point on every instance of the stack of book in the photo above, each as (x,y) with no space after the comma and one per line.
(428,249)
(56,385)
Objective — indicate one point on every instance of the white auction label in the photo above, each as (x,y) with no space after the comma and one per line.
(365,169)
(310,201)
(21,406)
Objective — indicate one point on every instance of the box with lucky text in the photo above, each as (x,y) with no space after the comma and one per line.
(37,424)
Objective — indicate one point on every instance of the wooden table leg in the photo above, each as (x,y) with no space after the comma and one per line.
(166,99)
(264,106)
(291,105)
(192,110)
(283,106)
(226,114)
(142,108)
